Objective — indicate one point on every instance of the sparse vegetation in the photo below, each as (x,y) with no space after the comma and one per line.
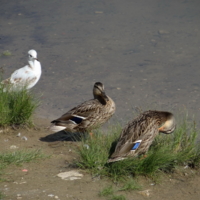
(19,157)
(16,108)
(166,153)
(118,197)
(130,185)
(6,53)
(1,196)
(107,191)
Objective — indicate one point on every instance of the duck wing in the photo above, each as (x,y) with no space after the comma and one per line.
(76,115)
(136,136)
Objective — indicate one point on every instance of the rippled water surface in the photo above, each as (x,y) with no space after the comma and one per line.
(145,52)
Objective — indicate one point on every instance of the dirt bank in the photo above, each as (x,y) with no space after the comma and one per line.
(41,182)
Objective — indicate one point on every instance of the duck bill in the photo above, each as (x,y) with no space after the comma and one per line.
(103,94)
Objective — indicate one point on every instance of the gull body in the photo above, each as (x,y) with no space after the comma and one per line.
(25,77)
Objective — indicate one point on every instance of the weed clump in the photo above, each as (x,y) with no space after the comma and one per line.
(19,157)
(6,53)
(1,196)
(16,107)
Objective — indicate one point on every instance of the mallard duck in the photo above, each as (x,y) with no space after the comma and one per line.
(26,76)
(138,134)
(87,115)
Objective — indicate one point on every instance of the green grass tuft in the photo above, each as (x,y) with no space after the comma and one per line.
(118,197)
(130,185)
(19,157)
(94,151)
(1,196)
(6,53)
(165,154)
(16,108)
(107,191)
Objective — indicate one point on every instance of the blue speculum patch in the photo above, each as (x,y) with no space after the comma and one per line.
(77,120)
(136,145)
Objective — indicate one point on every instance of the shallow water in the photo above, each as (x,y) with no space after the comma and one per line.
(145,52)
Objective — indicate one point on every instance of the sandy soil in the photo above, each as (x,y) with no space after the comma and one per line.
(41,180)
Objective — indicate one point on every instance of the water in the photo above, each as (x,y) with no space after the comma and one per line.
(145,52)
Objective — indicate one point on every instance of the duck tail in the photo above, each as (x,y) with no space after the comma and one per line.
(110,160)
(55,128)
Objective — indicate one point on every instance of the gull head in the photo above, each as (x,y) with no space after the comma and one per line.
(32,54)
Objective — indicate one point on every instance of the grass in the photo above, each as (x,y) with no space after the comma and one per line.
(118,197)
(16,107)
(165,154)
(130,185)
(19,157)
(1,196)
(94,151)
(109,193)
(6,53)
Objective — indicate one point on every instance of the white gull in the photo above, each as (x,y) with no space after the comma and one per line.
(27,76)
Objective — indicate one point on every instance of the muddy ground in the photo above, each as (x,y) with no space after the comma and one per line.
(40,180)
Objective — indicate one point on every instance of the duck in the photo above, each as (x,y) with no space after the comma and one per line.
(25,77)
(137,136)
(88,115)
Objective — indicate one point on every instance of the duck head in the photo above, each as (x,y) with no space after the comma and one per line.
(99,93)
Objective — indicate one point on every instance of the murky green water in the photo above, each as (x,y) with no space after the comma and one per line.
(145,52)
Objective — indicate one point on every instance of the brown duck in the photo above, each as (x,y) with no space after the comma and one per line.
(88,115)
(138,134)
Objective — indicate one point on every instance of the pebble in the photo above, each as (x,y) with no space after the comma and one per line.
(23,182)
(13,147)
(19,134)
(86,146)
(145,193)
(162,32)
(70,175)
(24,138)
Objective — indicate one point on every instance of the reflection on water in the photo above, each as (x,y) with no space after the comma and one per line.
(146,53)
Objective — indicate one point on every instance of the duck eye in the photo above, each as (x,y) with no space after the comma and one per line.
(30,55)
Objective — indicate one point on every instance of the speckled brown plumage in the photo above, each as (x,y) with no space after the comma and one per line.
(145,128)
(91,113)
